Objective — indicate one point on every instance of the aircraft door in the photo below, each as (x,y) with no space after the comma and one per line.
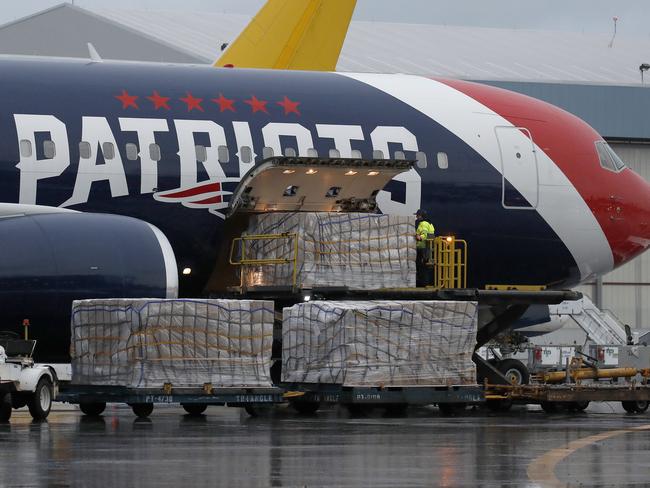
(520,178)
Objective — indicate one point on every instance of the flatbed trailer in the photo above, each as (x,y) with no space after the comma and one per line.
(307,398)
(92,399)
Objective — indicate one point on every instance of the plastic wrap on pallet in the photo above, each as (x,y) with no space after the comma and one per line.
(357,250)
(375,343)
(150,342)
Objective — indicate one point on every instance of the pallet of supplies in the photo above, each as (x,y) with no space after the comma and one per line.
(380,343)
(144,343)
(355,250)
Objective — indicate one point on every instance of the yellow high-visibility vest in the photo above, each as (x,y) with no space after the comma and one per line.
(425,230)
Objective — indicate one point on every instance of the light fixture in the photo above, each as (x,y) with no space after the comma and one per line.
(351,173)
(643,68)
(311,171)
(289,171)
(187,271)
(306,298)
(373,173)
(449,239)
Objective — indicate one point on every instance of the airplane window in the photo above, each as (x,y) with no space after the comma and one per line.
(356,154)
(201,153)
(608,158)
(378,154)
(443,160)
(49,149)
(25,148)
(246,154)
(618,162)
(131,151)
(312,153)
(224,155)
(267,152)
(399,155)
(333,192)
(335,153)
(84,150)
(290,191)
(108,150)
(421,159)
(154,152)
(290,152)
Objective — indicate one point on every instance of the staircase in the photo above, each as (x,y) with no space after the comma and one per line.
(601,327)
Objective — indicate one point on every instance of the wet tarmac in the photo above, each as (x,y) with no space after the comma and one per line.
(225,447)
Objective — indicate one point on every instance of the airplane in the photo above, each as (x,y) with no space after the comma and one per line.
(115,177)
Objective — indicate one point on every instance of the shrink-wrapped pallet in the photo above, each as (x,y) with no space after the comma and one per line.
(355,250)
(150,342)
(380,343)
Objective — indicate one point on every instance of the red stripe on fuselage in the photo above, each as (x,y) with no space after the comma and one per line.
(619,201)
(197,190)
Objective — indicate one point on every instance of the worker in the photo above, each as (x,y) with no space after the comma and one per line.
(423,231)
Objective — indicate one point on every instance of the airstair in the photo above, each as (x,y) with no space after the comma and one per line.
(601,327)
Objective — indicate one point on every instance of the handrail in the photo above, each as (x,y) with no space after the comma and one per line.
(448,256)
(243,261)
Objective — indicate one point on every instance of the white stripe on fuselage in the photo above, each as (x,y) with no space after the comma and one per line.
(560,204)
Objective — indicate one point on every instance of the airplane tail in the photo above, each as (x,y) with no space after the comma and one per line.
(292,34)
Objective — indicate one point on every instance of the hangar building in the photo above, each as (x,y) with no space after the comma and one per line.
(582,73)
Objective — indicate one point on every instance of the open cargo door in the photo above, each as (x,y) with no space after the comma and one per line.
(292,184)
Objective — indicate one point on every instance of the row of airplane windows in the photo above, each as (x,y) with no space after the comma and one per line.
(223,153)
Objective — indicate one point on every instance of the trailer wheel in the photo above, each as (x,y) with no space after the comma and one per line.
(634,406)
(577,406)
(452,408)
(5,406)
(549,407)
(94,409)
(259,409)
(142,410)
(358,410)
(515,371)
(194,408)
(305,408)
(40,402)
(501,405)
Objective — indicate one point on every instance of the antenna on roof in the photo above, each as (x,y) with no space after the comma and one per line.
(611,43)
(94,55)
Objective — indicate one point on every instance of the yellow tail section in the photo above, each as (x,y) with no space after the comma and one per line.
(292,34)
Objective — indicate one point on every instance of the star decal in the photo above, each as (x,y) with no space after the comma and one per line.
(257,105)
(289,106)
(127,100)
(192,102)
(159,101)
(224,103)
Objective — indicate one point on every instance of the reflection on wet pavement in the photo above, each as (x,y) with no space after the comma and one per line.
(226,447)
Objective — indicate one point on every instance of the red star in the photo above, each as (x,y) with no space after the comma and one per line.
(224,103)
(257,105)
(127,100)
(289,106)
(159,101)
(192,103)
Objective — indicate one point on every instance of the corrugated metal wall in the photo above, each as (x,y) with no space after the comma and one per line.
(626,290)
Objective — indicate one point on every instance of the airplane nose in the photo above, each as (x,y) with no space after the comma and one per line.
(626,209)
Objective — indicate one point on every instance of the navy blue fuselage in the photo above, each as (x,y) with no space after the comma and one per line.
(465,199)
